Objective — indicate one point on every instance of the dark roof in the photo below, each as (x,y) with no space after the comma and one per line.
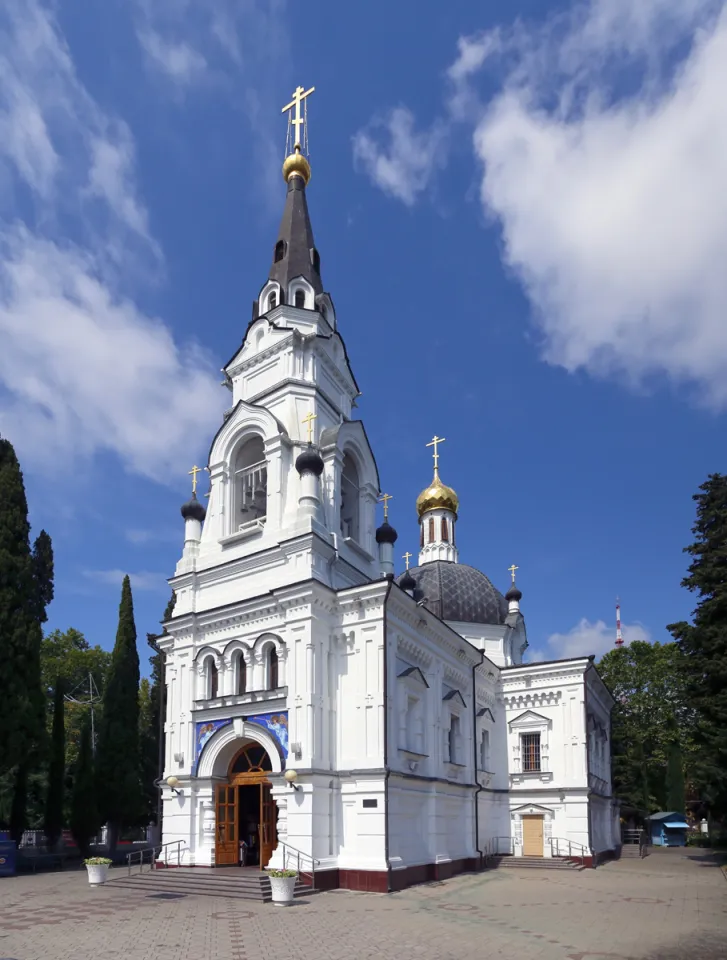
(455,591)
(300,257)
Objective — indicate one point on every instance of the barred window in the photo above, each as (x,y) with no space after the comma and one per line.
(530,745)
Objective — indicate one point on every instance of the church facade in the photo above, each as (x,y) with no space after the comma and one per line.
(320,710)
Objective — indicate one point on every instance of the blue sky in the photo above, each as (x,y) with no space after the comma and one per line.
(522,216)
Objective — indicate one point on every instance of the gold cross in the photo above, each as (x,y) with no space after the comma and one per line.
(512,570)
(309,420)
(435,443)
(299,95)
(407,558)
(385,500)
(193,474)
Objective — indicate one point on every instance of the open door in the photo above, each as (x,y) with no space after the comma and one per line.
(268,827)
(226,843)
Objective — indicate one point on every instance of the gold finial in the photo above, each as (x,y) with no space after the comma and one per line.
(435,443)
(512,570)
(407,558)
(385,500)
(296,165)
(308,420)
(193,474)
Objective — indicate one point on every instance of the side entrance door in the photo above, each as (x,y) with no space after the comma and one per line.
(226,841)
(532,836)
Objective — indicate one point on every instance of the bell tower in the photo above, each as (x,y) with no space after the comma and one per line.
(437,507)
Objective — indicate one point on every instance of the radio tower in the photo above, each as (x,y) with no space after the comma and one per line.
(619,638)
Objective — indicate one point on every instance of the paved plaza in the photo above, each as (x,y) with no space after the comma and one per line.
(671,906)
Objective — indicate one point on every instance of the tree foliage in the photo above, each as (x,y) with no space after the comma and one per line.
(704,642)
(117,756)
(53,820)
(651,713)
(85,821)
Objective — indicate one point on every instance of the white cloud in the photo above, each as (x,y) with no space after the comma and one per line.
(141,536)
(403,165)
(177,59)
(605,160)
(144,580)
(82,369)
(587,638)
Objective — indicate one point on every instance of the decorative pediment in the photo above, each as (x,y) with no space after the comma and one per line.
(532,810)
(486,713)
(454,696)
(529,719)
(413,673)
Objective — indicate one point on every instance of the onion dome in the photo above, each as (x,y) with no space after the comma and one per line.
(309,461)
(514,593)
(406,581)
(437,496)
(193,509)
(386,533)
(296,165)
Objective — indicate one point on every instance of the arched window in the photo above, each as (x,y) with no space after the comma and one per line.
(421,534)
(251,759)
(251,483)
(279,250)
(241,675)
(431,529)
(272,300)
(272,668)
(350,497)
(445,530)
(212,679)
(299,298)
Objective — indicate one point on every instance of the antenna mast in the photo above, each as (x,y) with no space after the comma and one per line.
(619,638)
(87,698)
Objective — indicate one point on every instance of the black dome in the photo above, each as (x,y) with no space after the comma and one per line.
(455,591)
(193,509)
(386,533)
(309,461)
(514,593)
(406,581)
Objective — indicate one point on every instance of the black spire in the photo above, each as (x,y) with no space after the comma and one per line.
(295,254)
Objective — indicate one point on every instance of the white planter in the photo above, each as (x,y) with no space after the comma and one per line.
(283,889)
(97,873)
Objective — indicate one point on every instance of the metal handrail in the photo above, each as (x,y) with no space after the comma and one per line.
(493,845)
(571,844)
(154,851)
(288,849)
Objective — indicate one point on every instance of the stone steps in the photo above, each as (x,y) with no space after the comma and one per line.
(202,881)
(534,863)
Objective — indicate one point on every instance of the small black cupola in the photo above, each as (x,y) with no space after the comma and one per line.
(193,509)
(386,533)
(309,461)
(514,593)
(407,582)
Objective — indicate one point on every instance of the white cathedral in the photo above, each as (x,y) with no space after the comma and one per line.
(378,731)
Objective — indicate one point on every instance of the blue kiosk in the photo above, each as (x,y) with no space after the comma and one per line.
(667,829)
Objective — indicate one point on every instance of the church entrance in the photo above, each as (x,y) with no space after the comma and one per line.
(532,836)
(246,833)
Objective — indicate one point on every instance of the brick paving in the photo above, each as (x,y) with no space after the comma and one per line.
(671,906)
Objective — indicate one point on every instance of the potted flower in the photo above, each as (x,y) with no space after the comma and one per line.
(98,869)
(282,883)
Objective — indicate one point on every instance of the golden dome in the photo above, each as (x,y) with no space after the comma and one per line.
(296,165)
(437,496)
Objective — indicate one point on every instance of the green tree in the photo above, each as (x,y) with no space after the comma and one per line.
(25,587)
(704,642)
(18,809)
(651,710)
(53,820)
(675,793)
(117,756)
(85,821)
(152,742)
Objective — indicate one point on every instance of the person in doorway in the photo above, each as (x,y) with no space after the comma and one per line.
(243,853)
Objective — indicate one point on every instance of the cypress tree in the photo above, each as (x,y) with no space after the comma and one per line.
(85,821)
(704,641)
(22,704)
(18,809)
(117,756)
(675,794)
(53,821)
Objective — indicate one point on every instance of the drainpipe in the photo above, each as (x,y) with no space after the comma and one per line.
(387,771)
(588,762)
(479,789)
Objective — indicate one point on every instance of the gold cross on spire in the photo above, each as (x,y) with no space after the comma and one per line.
(512,570)
(435,443)
(385,500)
(193,474)
(407,558)
(299,95)
(309,421)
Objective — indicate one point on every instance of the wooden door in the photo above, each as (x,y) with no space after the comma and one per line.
(268,827)
(532,836)
(226,843)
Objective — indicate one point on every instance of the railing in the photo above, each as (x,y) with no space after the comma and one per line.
(632,837)
(153,853)
(292,859)
(575,850)
(499,847)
